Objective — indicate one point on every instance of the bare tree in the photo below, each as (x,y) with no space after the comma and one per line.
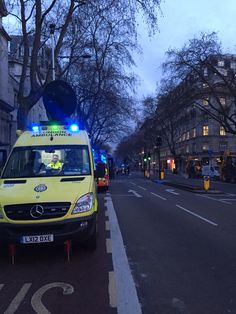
(197,62)
(73,34)
(102,85)
(34,18)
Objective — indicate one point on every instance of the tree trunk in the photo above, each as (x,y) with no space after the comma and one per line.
(26,103)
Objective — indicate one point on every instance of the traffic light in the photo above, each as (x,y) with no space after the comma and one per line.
(145,158)
(149,156)
(158,141)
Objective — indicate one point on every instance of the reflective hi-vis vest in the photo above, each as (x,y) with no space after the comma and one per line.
(55,165)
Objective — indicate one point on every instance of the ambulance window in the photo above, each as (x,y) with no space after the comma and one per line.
(56,160)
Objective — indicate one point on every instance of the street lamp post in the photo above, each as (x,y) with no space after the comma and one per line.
(158,146)
(52,30)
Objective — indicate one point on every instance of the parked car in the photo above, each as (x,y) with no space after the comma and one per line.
(212,171)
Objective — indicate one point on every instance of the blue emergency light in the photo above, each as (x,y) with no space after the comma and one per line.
(35,128)
(56,127)
(103,158)
(74,128)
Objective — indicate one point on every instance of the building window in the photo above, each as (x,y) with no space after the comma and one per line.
(205,101)
(205,146)
(233,65)
(20,51)
(221,63)
(194,132)
(205,73)
(204,85)
(221,117)
(222,71)
(223,146)
(222,131)
(205,117)
(222,101)
(205,130)
(187,149)
(187,135)
(193,147)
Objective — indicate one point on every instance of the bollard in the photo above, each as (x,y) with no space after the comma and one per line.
(12,252)
(206,183)
(67,244)
(162,175)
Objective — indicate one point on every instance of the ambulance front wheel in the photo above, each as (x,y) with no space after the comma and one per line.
(91,242)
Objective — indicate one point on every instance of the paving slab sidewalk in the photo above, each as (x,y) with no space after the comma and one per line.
(181,182)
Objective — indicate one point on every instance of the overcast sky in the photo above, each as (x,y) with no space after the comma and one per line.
(182,20)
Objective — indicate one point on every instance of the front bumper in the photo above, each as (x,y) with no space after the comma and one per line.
(75,229)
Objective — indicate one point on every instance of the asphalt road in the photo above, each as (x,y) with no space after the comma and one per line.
(161,250)
(43,281)
(181,246)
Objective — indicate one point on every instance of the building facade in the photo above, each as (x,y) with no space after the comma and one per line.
(6,95)
(15,56)
(198,136)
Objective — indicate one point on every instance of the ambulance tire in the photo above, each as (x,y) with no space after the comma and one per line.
(91,242)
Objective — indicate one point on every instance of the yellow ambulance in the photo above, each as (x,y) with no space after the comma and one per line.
(47,188)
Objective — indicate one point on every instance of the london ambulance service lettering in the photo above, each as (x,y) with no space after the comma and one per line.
(8,185)
(50,133)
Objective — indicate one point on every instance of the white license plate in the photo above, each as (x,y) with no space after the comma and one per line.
(43,238)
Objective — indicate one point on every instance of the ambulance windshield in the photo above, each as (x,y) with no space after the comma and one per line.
(47,161)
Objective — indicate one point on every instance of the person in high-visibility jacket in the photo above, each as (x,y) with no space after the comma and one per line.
(55,163)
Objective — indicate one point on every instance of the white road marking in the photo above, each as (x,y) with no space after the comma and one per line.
(15,303)
(230,194)
(190,212)
(179,305)
(172,191)
(164,199)
(112,288)
(214,199)
(1,286)
(108,246)
(135,193)
(114,195)
(36,300)
(228,199)
(142,187)
(107,225)
(127,298)
(133,183)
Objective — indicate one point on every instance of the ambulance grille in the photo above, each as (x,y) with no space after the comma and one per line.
(37,211)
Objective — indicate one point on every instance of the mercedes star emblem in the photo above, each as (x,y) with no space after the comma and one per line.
(36,211)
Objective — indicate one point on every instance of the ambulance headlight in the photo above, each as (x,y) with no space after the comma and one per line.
(84,204)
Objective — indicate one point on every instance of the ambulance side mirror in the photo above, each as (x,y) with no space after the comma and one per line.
(95,174)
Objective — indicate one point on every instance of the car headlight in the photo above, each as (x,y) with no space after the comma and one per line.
(83,204)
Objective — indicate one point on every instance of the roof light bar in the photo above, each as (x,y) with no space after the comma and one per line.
(35,128)
(74,128)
